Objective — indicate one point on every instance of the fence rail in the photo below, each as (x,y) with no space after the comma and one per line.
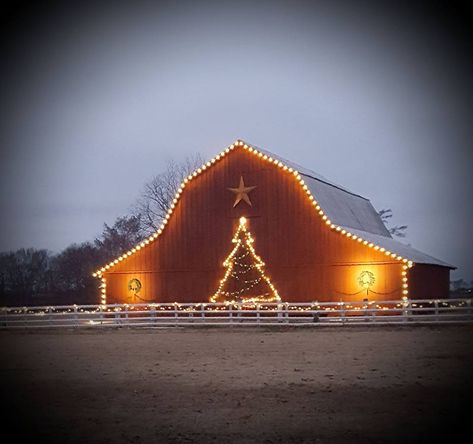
(438,311)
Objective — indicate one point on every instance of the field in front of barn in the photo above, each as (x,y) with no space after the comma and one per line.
(178,385)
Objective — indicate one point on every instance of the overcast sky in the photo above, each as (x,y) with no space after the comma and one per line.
(96,100)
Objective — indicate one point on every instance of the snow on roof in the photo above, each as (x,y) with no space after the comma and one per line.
(342,206)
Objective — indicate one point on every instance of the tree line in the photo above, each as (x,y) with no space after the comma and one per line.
(39,277)
(31,276)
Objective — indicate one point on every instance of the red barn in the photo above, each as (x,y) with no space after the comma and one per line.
(248,225)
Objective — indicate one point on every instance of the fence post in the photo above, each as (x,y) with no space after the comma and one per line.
(436,304)
(286,311)
(342,315)
(239,311)
(76,318)
(154,314)
(175,314)
(202,312)
(126,314)
(374,312)
(101,314)
(406,304)
(230,313)
(117,311)
(315,316)
(257,314)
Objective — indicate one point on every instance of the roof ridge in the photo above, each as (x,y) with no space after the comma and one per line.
(339,187)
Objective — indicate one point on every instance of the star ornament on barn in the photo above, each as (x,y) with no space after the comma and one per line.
(242,193)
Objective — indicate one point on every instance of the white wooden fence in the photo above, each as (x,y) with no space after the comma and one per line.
(439,311)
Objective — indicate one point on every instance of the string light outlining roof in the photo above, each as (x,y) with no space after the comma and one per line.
(361,236)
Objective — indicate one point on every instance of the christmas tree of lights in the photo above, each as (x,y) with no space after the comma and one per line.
(244,279)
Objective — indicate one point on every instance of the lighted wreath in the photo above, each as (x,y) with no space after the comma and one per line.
(366,279)
(134,286)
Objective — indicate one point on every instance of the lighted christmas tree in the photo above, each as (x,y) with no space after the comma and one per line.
(244,279)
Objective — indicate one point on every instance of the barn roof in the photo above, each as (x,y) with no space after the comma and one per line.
(342,210)
(355,213)
(342,206)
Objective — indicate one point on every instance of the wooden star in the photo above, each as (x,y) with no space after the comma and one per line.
(242,193)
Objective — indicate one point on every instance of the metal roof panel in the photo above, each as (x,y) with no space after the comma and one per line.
(342,206)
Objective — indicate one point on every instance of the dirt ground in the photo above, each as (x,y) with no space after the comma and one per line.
(332,385)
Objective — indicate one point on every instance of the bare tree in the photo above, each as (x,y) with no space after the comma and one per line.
(398,230)
(121,236)
(159,192)
(25,275)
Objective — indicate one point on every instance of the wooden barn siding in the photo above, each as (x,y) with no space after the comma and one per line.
(429,281)
(304,258)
